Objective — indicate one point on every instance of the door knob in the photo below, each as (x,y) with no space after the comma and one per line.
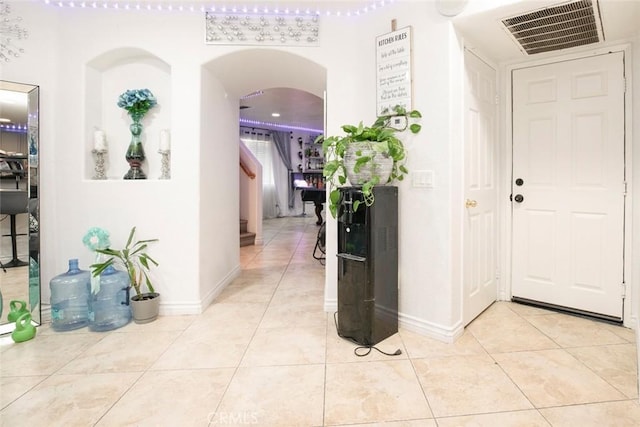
(519,198)
(470,203)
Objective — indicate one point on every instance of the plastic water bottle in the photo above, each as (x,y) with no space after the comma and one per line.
(69,298)
(109,308)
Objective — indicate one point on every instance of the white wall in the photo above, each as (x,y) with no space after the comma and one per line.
(219,204)
(183,212)
(429,231)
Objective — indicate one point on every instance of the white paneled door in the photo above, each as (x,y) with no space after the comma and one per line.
(480,242)
(568,184)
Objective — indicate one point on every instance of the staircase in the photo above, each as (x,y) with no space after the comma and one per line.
(247,238)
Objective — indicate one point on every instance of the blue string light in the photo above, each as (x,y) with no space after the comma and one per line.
(250,123)
(13,128)
(180,7)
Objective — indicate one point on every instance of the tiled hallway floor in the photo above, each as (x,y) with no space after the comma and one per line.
(266,354)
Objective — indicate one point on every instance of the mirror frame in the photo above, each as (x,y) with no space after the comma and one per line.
(33,193)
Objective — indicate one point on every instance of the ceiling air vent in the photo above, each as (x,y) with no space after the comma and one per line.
(557,27)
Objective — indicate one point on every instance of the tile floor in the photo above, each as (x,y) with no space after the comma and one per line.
(266,354)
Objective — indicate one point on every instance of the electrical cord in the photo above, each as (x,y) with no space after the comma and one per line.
(368,348)
(320,245)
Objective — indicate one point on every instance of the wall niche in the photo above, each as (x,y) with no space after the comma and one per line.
(107,76)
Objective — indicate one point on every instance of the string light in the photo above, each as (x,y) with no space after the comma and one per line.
(13,128)
(277,125)
(181,7)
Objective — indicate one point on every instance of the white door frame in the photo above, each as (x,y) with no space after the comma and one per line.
(505,290)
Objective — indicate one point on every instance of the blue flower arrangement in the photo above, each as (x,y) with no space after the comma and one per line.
(137,102)
(96,238)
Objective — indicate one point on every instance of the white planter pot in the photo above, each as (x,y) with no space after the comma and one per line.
(145,307)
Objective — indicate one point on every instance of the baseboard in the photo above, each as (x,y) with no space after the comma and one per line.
(431,330)
(216,290)
(180,308)
(331,305)
(413,324)
(175,308)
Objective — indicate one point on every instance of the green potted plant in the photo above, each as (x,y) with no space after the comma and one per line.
(134,259)
(368,155)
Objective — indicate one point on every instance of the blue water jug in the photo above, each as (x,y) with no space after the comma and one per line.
(109,308)
(70,298)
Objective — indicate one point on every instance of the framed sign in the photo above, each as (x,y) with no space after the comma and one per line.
(393,62)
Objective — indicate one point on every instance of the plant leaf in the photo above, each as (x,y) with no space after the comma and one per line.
(349,128)
(334,196)
(415,128)
(334,210)
(133,231)
(97,269)
(361,161)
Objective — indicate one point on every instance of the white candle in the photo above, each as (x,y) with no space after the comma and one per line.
(165,140)
(99,141)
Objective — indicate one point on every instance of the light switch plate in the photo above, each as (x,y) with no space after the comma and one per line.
(422,178)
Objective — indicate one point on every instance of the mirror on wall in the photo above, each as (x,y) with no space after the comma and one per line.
(19,202)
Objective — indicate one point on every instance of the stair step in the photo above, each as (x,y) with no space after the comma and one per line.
(247,239)
(243,225)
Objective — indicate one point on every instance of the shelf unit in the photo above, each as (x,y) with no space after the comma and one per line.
(311,161)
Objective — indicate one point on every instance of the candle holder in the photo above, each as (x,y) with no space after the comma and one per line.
(165,169)
(99,164)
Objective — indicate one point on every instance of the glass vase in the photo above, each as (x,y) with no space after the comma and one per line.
(135,153)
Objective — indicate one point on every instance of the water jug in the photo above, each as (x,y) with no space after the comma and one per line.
(109,308)
(70,298)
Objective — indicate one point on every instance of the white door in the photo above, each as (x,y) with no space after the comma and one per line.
(568,208)
(479,234)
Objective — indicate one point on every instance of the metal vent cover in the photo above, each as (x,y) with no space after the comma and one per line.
(572,24)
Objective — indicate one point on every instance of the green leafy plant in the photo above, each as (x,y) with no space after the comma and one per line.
(133,258)
(379,139)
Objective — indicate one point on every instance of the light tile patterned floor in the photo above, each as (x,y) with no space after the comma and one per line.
(266,354)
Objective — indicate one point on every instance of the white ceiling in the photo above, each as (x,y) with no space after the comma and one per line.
(296,108)
(479,23)
(482,28)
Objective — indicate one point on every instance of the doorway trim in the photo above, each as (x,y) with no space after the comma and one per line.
(507,161)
